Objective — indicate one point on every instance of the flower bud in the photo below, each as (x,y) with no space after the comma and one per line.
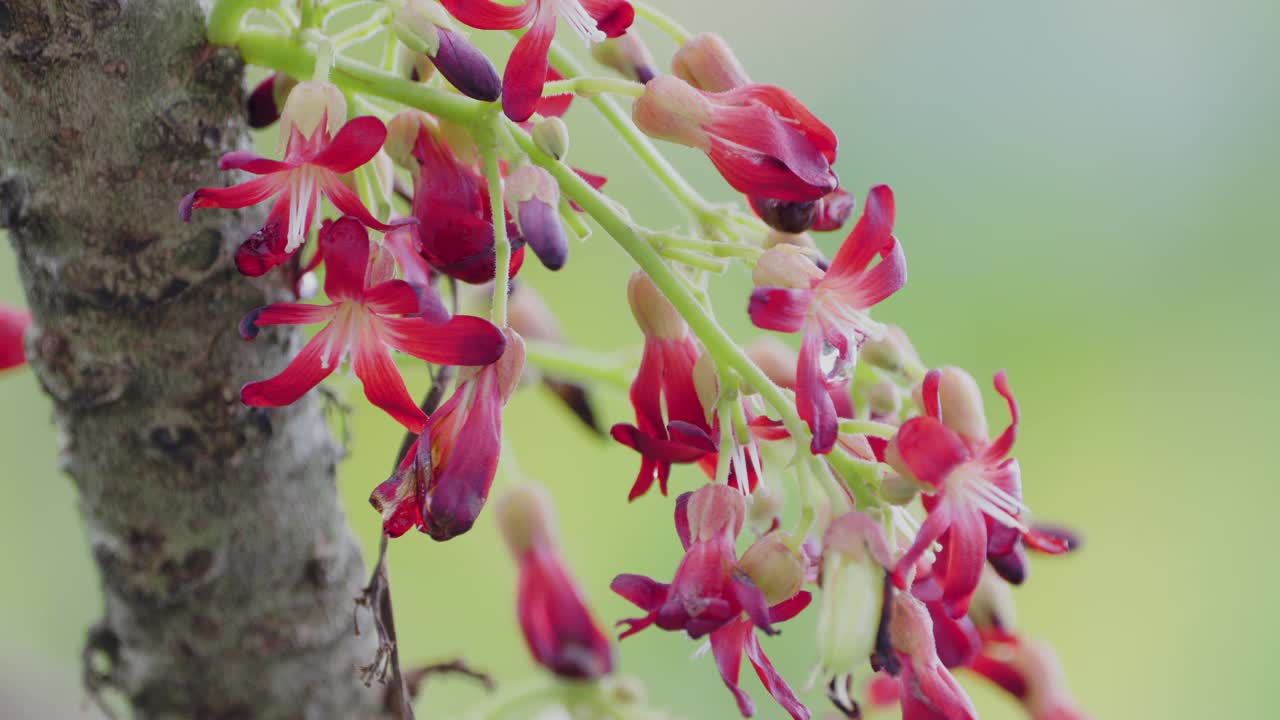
(525,518)
(774,567)
(551,136)
(672,110)
(707,62)
(417,25)
(801,240)
(833,210)
(511,365)
(309,105)
(992,607)
(890,351)
(13,329)
(402,136)
(775,358)
(706,383)
(785,266)
(458,138)
(628,56)
(961,401)
(855,555)
(533,199)
(884,399)
(712,509)
(262,108)
(655,315)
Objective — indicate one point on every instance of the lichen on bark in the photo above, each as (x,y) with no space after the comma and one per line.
(227,567)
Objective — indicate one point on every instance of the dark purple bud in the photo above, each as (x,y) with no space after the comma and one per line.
(541,229)
(466,68)
(785,216)
(261,106)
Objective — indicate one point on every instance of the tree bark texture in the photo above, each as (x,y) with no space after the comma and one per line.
(227,567)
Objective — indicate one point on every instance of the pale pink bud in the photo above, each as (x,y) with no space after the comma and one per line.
(707,62)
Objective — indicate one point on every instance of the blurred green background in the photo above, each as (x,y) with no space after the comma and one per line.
(1083,193)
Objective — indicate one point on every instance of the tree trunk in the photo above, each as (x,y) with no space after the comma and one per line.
(227,568)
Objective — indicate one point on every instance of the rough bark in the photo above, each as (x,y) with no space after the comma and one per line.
(227,568)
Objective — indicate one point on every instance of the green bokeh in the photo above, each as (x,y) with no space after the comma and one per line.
(1082,191)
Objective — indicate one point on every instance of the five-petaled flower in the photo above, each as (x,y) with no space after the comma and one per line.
(970,481)
(793,294)
(368,316)
(526,72)
(763,140)
(13,325)
(318,151)
(665,377)
(554,618)
(442,484)
(711,592)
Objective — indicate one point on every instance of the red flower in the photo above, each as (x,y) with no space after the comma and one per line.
(314,159)
(792,294)
(973,480)
(442,484)
(455,223)
(711,591)
(557,626)
(526,71)
(13,325)
(1031,672)
(760,137)
(710,588)
(665,378)
(929,691)
(364,322)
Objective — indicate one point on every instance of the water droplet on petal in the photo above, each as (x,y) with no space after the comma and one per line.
(835,369)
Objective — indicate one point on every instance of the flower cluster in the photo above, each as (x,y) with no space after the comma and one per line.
(907,526)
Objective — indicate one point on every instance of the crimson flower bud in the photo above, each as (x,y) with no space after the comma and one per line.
(707,62)
(928,688)
(774,567)
(557,626)
(261,108)
(13,327)
(628,56)
(533,199)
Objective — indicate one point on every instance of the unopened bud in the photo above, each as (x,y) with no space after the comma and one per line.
(417,25)
(402,135)
(655,315)
(961,401)
(671,109)
(713,509)
(458,138)
(775,358)
(263,106)
(526,518)
(533,198)
(626,55)
(890,351)
(802,240)
(421,69)
(884,399)
(551,136)
(707,62)
(511,365)
(852,593)
(897,490)
(992,606)
(774,567)
(785,266)
(706,383)
(910,627)
(309,105)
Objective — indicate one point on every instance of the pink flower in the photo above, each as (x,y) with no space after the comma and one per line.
(972,480)
(665,379)
(1031,672)
(443,483)
(555,621)
(13,326)
(368,316)
(594,20)
(929,691)
(764,141)
(792,294)
(711,592)
(316,155)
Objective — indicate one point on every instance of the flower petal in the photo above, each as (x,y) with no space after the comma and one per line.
(463,340)
(345,243)
(813,402)
(348,203)
(726,645)
(527,67)
(252,163)
(383,385)
(13,327)
(234,197)
(354,145)
(612,17)
(303,373)
(869,237)
(461,486)
(489,15)
(930,449)
(780,309)
(773,682)
(283,314)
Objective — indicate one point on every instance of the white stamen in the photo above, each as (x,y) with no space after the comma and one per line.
(581,22)
(304,186)
(701,651)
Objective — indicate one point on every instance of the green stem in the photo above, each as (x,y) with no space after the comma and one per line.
(714,338)
(490,152)
(589,86)
(575,364)
(225,19)
(693,259)
(710,247)
(868,427)
(662,21)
